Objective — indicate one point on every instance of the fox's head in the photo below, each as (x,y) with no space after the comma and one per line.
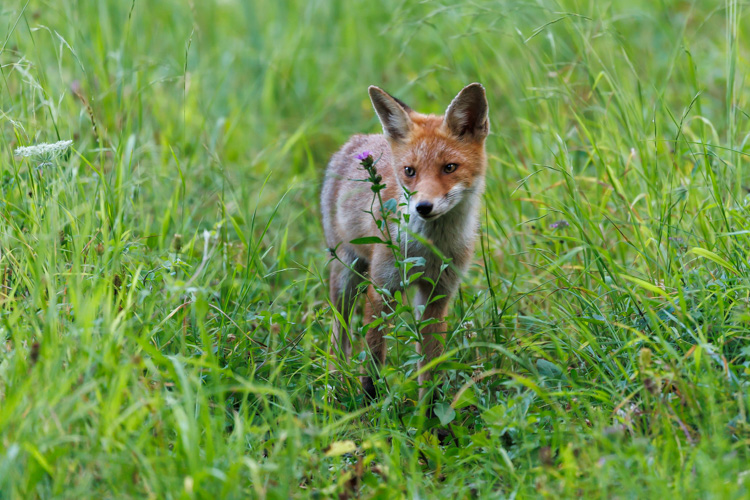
(441,158)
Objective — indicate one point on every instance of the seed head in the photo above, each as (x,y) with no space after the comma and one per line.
(45,152)
(43,149)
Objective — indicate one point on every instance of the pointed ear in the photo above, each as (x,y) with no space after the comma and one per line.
(393,114)
(467,114)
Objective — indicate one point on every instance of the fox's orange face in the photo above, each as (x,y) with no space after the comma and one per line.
(441,159)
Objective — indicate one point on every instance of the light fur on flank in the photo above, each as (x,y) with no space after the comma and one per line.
(426,143)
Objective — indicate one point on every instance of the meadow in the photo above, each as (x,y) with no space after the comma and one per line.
(164,312)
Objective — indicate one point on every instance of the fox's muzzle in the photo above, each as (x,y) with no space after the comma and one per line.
(424,208)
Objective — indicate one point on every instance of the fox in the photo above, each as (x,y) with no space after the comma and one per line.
(434,166)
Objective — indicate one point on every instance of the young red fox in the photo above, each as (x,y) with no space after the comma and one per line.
(442,161)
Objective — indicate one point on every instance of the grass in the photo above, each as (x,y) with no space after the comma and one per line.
(163,310)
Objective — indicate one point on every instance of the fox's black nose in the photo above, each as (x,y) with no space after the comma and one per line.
(424,208)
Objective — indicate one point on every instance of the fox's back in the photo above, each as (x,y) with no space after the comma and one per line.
(346,196)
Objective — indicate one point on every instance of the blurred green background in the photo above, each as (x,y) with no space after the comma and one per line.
(164,307)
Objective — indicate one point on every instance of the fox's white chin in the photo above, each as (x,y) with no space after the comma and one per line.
(430,217)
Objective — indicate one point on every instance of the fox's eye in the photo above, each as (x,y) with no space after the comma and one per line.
(450,168)
(409,171)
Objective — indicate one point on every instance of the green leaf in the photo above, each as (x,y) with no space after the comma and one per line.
(390,205)
(645,284)
(372,324)
(453,365)
(466,398)
(547,369)
(445,413)
(417,261)
(494,415)
(708,254)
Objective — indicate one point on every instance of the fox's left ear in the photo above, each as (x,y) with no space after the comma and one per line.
(466,116)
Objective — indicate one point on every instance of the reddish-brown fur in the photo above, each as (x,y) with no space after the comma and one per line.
(427,143)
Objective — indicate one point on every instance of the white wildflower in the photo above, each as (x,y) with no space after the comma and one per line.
(44,151)
(469,326)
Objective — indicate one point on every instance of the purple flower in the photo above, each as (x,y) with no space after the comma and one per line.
(561,224)
(364,155)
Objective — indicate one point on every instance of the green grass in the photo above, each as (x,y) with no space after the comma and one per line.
(163,306)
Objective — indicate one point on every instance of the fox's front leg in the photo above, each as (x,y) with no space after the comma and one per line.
(432,334)
(341,301)
(374,307)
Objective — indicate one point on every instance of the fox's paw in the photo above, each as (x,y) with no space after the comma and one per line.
(444,435)
(369,390)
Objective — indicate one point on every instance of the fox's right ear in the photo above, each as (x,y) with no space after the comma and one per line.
(392,114)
